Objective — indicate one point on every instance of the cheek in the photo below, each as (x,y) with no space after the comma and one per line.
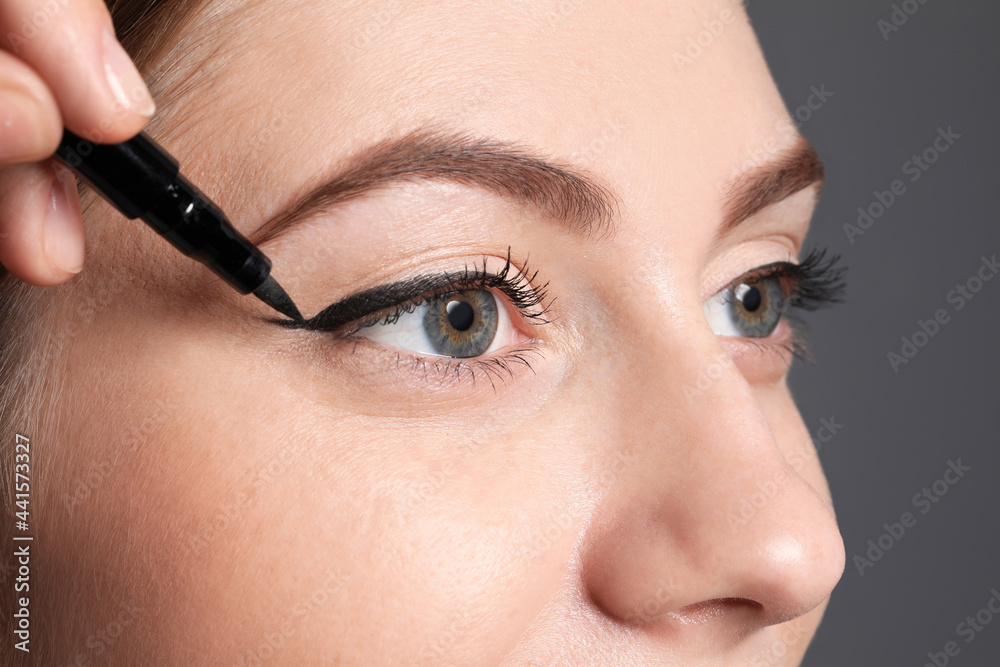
(358,523)
(241,497)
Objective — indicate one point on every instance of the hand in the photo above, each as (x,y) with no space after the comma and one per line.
(60,66)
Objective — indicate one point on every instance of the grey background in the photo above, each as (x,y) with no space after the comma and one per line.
(940,69)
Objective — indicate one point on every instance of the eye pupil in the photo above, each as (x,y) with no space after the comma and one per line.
(751,299)
(460,315)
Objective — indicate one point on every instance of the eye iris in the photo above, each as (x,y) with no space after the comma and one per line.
(756,307)
(462,324)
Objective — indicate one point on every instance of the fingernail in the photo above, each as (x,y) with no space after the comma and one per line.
(61,231)
(125,81)
(21,134)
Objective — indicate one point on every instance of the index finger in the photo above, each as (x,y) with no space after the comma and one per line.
(72,46)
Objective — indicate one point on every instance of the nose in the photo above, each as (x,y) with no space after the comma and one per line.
(671,543)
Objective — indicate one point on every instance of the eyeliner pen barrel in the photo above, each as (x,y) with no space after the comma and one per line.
(142,180)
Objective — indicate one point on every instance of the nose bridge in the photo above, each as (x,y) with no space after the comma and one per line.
(666,537)
(704,434)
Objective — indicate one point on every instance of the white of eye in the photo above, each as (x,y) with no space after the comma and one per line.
(719,314)
(408,333)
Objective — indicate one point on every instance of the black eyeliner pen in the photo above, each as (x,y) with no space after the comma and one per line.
(143,181)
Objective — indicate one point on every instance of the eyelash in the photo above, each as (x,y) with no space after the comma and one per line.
(815,282)
(529,301)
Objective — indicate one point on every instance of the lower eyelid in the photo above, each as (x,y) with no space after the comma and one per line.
(369,360)
(764,359)
(351,358)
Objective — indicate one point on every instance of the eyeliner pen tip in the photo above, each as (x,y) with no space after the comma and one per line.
(271,293)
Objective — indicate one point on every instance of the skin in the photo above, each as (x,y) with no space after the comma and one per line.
(224,489)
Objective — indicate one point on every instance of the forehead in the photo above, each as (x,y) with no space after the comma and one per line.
(660,98)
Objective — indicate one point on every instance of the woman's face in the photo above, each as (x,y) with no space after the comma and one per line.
(621,479)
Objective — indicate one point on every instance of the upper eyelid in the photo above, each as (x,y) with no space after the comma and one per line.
(766,271)
(407,305)
(516,283)
(430,287)
(414,302)
(815,281)
(396,311)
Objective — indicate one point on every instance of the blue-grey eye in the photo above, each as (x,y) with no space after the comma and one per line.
(464,323)
(748,309)
(461,324)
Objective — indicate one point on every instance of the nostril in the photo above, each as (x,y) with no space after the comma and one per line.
(706,611)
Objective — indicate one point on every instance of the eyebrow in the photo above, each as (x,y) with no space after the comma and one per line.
(580,202)
(768,184)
